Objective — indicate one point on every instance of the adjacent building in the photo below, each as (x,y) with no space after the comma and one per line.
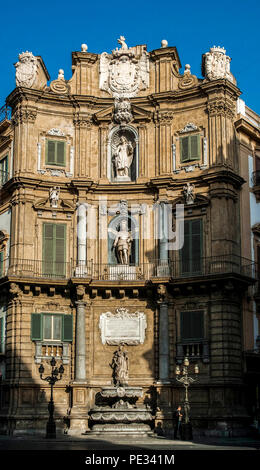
(96,172)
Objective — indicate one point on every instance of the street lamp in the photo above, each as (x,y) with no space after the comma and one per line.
(51,379)
(186,380)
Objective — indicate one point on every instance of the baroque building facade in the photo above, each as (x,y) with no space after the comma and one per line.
(122,191)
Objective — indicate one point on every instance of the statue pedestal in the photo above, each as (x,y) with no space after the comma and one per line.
(122,179)
(122,272)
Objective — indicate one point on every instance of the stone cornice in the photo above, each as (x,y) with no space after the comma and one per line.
(220,84)
(242,125)
(83,57)
(168,53)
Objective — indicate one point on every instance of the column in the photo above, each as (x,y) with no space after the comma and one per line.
(163,342)
(163,240)
(80,359)
(81,234)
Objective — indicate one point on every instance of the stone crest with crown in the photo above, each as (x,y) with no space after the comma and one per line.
(216,64)
(26,69)
(122,73)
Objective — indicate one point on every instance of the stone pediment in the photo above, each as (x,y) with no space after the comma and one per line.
(45,205)
(107,114)
(199,200)
(104,115)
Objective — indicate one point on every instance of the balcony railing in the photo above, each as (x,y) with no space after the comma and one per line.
(193,349)
(256,178)
(177,270)
(5,113)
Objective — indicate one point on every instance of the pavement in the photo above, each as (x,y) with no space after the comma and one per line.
(84,442)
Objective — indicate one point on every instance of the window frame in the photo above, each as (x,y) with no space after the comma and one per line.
(40,336)
(4,161)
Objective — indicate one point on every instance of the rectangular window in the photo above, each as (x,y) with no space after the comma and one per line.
(55,153)
(51,327)
(192,252)
(190,148)
(3,170)
(192,325)
(54,249)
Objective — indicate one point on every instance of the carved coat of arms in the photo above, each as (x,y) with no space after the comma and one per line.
(122,73)
(26,69)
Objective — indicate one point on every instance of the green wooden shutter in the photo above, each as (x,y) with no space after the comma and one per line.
(67,328)
(36,327)
(192,325)
(54,249)
(60,249)
(196,245)
(48,248)
(194,153)
(191,253)
(50,157)
(60,153)
(184,141)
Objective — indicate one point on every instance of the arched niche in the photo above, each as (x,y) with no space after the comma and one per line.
(123,144)
(113,229)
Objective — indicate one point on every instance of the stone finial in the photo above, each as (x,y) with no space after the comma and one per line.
(164,43)
(84,47)
(187,68)
(61,74)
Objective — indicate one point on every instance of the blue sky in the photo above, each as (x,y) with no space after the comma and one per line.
(55,29)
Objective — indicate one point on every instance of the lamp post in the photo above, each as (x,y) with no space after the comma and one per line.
(51,379)
(186,380)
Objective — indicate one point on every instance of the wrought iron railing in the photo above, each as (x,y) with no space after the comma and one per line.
(5,113)
(210,266)
(256,178)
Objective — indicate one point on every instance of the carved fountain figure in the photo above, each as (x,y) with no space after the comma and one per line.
(120,414)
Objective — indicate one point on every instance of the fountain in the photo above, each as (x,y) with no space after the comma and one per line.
(119,413)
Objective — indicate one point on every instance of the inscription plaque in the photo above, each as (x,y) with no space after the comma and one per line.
(122,327)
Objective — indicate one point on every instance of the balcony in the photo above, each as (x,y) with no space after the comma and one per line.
(210,267)
(194,350)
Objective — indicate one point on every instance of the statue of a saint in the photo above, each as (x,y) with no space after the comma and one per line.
(123,157)
(188,192)
(122,243)
(54,196)
(120,364)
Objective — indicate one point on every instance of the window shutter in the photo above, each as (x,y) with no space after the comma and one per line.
(50,152)
(184,149)
(194,147)
(186,252)
(196,245)
(36,327)
(60,249)
(60,153)
(67,330)
(192,325)
(48,248)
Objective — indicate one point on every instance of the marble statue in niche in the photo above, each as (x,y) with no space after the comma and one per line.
(122,243)
(54,196)
(123,157)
